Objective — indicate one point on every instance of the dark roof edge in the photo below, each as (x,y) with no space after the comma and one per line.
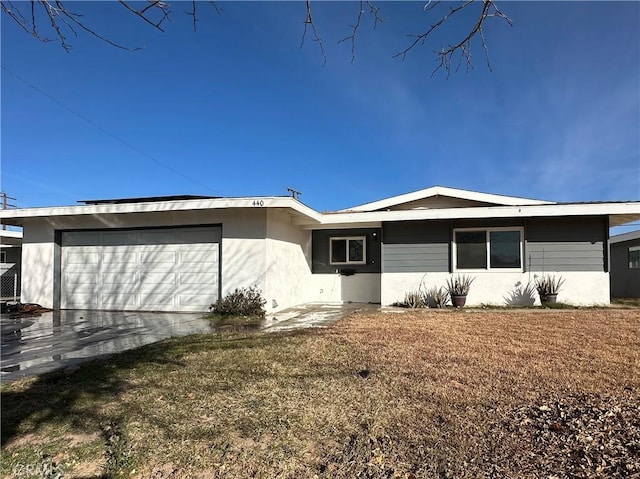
(147,199)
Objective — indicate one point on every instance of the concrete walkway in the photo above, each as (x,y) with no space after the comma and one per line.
(314,315)
(62,339)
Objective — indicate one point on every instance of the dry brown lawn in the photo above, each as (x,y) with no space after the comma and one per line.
(470,393)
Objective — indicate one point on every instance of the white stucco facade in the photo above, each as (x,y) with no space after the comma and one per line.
(336,288)
(288,262)
(243,247)
(503,288)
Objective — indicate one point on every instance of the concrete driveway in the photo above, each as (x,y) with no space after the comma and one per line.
(62,339)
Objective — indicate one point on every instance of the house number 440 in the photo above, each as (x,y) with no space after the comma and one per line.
(258,203)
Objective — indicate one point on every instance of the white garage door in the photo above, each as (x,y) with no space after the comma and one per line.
(168,269)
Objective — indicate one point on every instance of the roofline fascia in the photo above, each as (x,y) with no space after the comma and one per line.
(594,209)
(165,206)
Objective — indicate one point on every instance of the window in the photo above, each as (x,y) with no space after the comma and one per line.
(347,250)
(488,249)
(634,257)
(3,256)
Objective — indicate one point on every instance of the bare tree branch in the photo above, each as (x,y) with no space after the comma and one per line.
(63,20)
(156,5)
(374,11)
(193,14)
(308,21)
(462,47)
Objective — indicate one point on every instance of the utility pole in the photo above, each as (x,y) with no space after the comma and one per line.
(6,204)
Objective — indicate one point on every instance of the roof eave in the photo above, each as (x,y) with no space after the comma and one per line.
(444,191)
(619,213)
(16,217)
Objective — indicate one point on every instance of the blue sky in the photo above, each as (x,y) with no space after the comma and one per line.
(238,109)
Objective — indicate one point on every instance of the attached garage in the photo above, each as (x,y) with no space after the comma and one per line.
(155,269)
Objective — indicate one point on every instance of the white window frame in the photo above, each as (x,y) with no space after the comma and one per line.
(488,231)
(349,238)
(629,262)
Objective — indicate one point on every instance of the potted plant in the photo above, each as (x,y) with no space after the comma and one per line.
(548,287)
(458,288)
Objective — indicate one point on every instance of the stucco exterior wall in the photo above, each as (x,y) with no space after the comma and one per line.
(243,259)
(503,288)
(288,262)
(336,288)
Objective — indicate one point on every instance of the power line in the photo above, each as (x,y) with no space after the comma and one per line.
(115,137)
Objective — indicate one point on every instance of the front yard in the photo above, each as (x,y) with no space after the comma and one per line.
(470,393)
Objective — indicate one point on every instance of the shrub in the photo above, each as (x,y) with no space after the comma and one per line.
(437,297)
(548,284)
(459,285)
(241,302)
(414,299)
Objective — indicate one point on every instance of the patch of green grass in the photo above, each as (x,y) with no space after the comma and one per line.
(626,302)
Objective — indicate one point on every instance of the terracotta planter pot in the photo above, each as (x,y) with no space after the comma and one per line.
(549,299)
(458,300)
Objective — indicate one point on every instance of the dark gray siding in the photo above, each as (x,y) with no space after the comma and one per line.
(320,250)
(566,244)
(416,246)
(625,281)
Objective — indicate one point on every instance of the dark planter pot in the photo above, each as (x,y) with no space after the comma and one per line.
(548,299)
(458,300)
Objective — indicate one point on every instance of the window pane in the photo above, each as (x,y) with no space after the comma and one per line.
(634,257)
(356,250)
(338,250)
(471,249)
(505,249)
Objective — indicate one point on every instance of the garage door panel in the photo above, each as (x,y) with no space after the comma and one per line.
(157,258)
(154,278)
(120,278)
(207,278)
(82,300)
(82,278)
(198,301)
(119,300)
(165,270)
(198,256)
(77,268)
(82,257)
(118,257)
(163,301)
(164,288)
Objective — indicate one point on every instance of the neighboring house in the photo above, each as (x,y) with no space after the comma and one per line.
(182,253)
(625,265)
(10,261)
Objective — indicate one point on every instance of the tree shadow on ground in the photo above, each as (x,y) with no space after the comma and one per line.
(63,397)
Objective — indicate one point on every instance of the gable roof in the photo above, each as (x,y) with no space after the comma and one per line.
(434,191)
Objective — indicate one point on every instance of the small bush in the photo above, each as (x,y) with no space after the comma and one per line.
(241,302)
(414,299)
(437,297)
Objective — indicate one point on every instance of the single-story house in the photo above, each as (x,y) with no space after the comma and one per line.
(181,253)
(10,262)
(625,265)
